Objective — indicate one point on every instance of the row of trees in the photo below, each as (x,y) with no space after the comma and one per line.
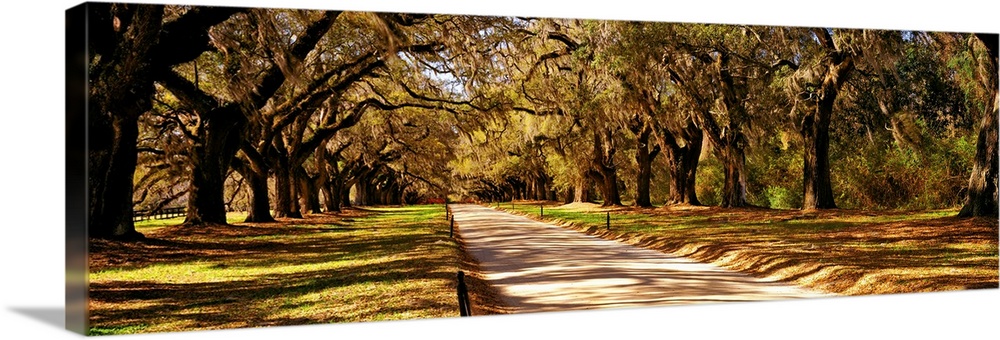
(283,112)
(203,105)
(598,102)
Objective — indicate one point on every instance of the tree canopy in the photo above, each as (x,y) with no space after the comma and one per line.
(285,112)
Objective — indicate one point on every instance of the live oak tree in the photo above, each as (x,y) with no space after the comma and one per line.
(741,62)
(982,189)
(690,82)
(637,60)
(343,88)
(621,55)
(829,58)
(319,107)
(565,80)
(124,38)
(129,44)
(222,122)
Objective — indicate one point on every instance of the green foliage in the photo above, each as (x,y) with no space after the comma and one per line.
(966,66)
(710,178)
(774,176)
(781,198)
(499,103)
(898,177)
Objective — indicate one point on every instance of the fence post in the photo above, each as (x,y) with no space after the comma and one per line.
(463,296)
(607,223)
(541,210)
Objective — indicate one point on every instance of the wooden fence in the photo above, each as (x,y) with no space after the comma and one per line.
(144,215)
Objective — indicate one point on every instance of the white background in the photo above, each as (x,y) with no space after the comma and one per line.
(32,191)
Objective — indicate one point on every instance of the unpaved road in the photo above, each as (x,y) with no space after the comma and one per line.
(541,267)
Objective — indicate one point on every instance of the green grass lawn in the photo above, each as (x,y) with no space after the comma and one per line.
(839,251)
(377,264)
(150,225)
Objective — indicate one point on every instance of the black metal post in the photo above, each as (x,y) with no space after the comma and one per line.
(463,296)
(451,232)
(607,224)
(541,210)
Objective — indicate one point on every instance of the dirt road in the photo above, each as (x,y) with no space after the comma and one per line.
(541,267)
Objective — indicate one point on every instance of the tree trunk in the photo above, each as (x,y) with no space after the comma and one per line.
(378,194)
(294,190)
(286,198)
(540,185)
(309,193)
(729,141)
(610,192)
(372,195)
(398,196)
(388,192)
(112,157)
(282,204)
(644,161)
(331,193)
(345,197)
(982,190)
(366,191)
(334,192)
(682,169)
(603,170)
(256,174)
(734,189)
(323,177)
(396,193)
(260,207)
(682,163)
(818,191)
(360,193)
(114,107)
(331,200)
(528,190)
(223,130)
(583,192)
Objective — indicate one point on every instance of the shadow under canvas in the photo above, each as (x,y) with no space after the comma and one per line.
(52,316)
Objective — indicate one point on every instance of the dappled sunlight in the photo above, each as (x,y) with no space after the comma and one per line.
(384,264)
(540,267)
(835,250)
